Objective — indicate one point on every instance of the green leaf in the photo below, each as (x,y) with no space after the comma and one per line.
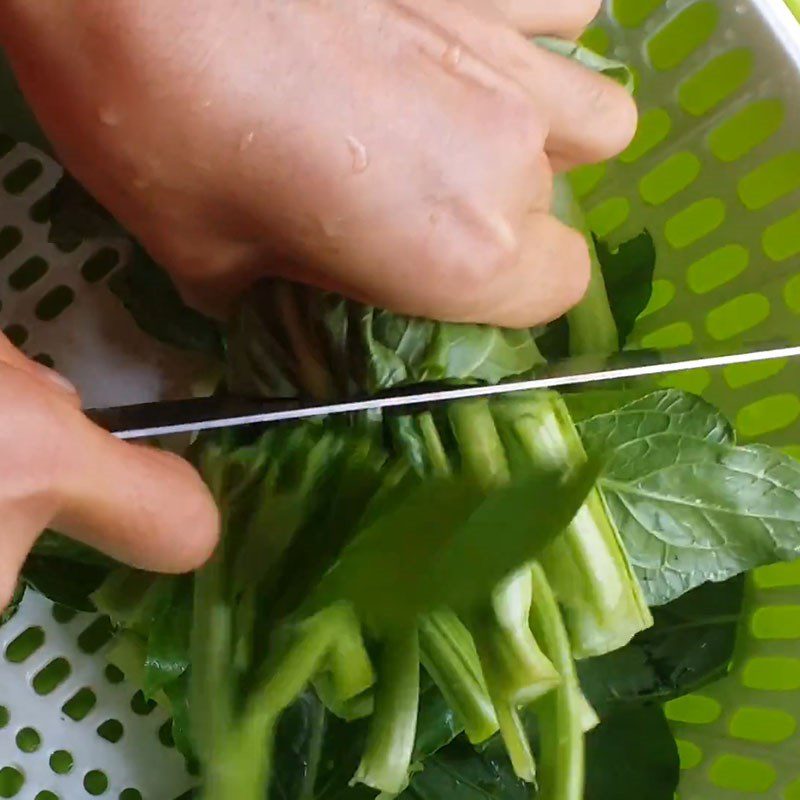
(690,645)
(632,755)
(168,645)
(628,273)
(459,772)
(150,296)
(444,525)
(690,506)
(70,583)
(616,70)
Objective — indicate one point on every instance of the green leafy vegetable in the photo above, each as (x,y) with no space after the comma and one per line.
(691,506)
(150,296)
(691,644)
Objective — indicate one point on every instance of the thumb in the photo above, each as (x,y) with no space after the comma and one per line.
(139,505)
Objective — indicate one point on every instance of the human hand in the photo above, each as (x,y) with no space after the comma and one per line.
(398,151)
(139,505)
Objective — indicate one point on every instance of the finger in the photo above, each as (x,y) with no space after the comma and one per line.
(139,505)
(50,379)
(565,18)
(536,280)
(592,118)
(550,276)
(18,535)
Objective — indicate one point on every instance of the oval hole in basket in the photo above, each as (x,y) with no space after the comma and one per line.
(694,222)
(741,774)
(25,645)
(4,717)
(597,39)
(23,176)
(141,705)
(669,178)
(738,135)
(654,127)
(781,240)
(772,674)
(715,82)
(46,795)
(95,782)
(16,334)
(632,13)
(165,734)
(28,740)
(80,704)
(130,794)
(740,375)
(685,33)
(10,239)
(61,762)
(62,614)
(689,753)
(114,674)
(765,725)
(717,268)
(741,314)
(771,181)
(11,782)
(100,265)
(54,303)
(112,730)
(49,678)
(28,273)
(768,415)
(776,622)
(694,709)
(42,209)
(96,636)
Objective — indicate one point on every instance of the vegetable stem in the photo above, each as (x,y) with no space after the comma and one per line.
(450,658)
(565,714)
(386,761)
(588,568)
(592,328)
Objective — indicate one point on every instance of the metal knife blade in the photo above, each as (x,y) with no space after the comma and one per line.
(202,414)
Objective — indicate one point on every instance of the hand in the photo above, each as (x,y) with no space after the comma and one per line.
(399,151)
(138,505)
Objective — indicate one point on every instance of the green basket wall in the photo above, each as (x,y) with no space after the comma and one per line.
(714,174)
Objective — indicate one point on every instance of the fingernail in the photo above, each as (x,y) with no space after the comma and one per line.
(56,378)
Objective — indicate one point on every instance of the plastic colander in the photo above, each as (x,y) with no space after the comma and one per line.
(714,175)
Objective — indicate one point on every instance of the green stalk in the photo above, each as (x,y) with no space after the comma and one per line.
(241,764)
(446,648)
(592,328)
(587,566)
(516,670)
(213,676)
(449,656)
(565,714)
(386,761)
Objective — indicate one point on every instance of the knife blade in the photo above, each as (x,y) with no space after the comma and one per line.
(193,415)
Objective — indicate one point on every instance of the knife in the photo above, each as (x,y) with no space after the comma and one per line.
(223,411)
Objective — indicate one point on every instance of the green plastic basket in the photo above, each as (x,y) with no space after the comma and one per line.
(714,175)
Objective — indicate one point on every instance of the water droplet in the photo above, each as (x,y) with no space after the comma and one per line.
(451,57)
(359,154)
(246,140)
(109,116)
